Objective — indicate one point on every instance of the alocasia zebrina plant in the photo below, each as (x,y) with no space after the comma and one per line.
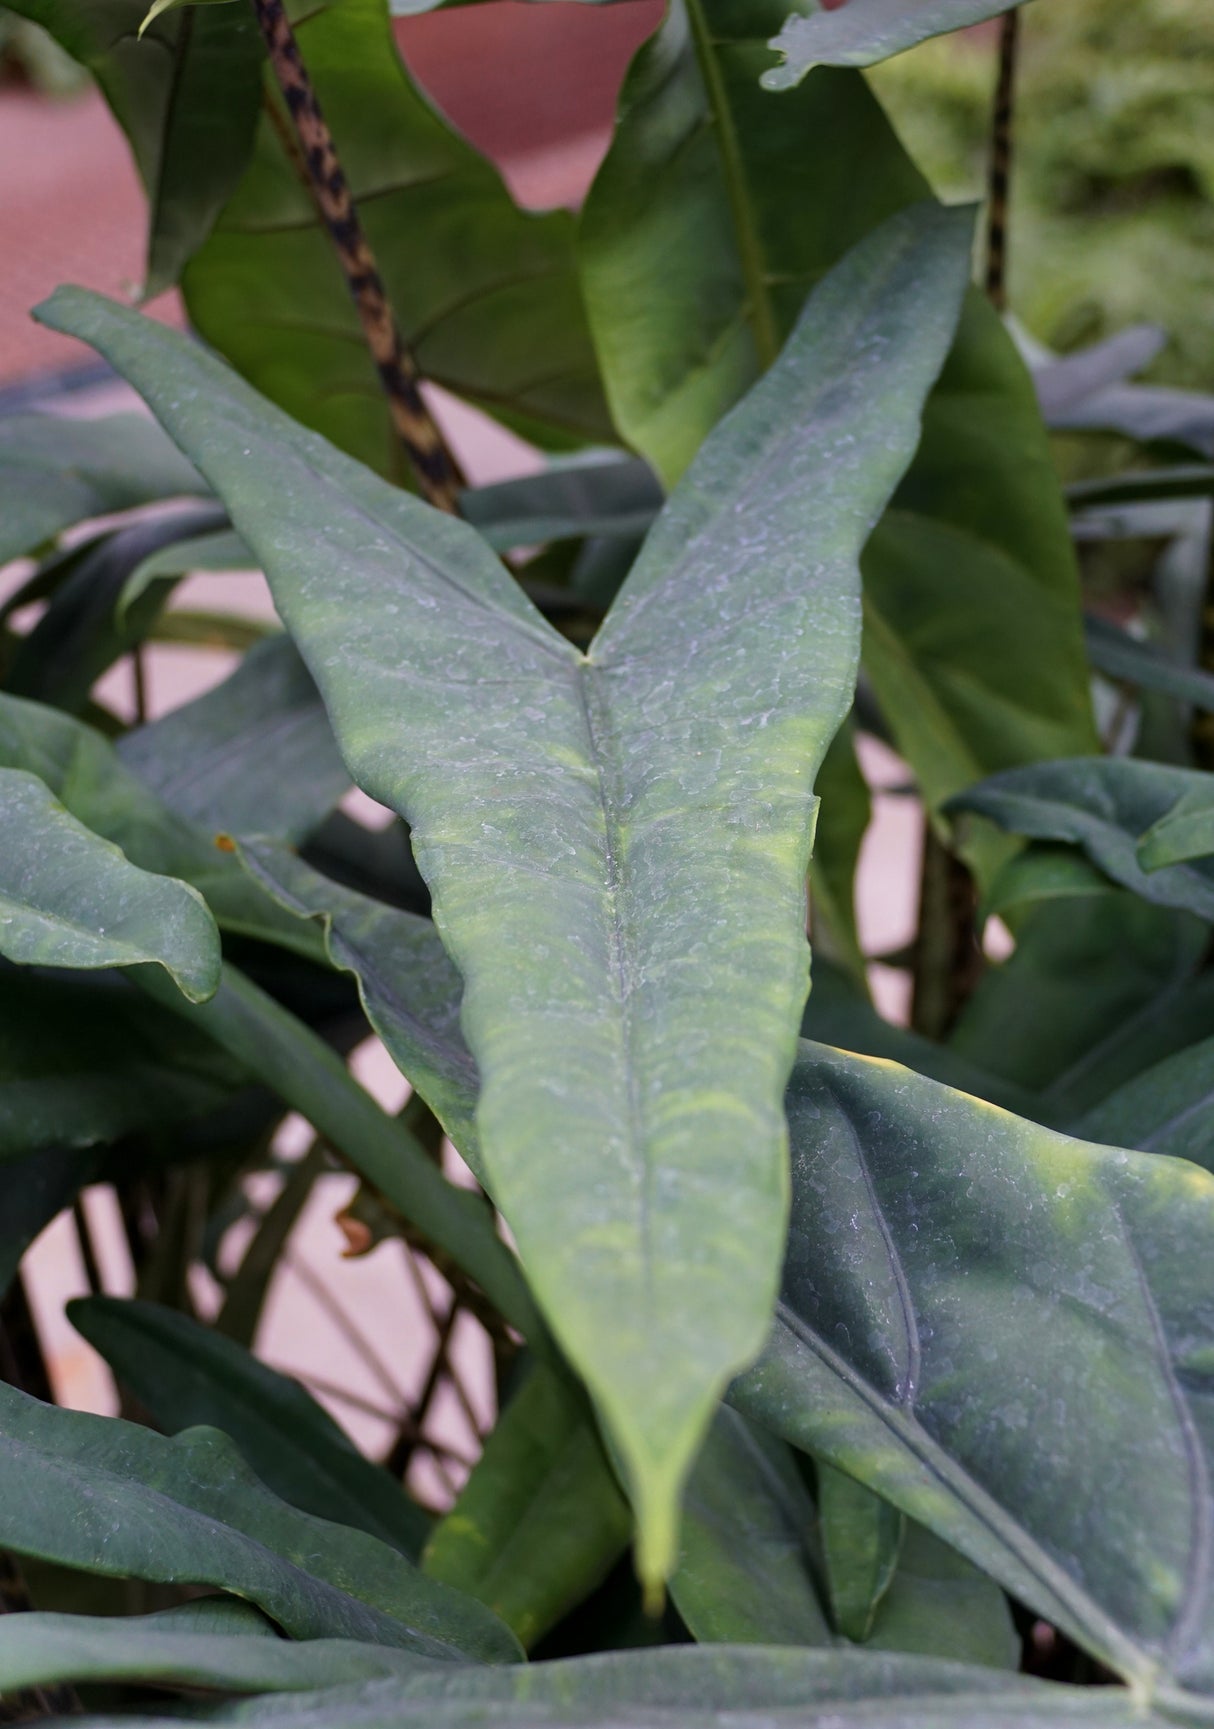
(855,1368)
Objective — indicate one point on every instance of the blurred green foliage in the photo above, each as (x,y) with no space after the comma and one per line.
(1113,195)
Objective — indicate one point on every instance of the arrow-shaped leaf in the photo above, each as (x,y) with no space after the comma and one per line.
(590,826)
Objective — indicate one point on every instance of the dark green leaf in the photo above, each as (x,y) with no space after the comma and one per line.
(681,1687)
(1150,487)
(541,1520)
(186,92)
(1110,806)
(862,32)
(104,1496)
(1122,656)
(1167,1109)
(81,633)
(619,1037)
(255,755)
(861,1542)
(32,1191)
(223,551)
(489,303)
(714,213)
(409,987)
(87,1060)
(184,1374)
(55,472)
(938,1605)
(68,898)
(980,1320)
(842,822)
(586,495)
(748,1560)
(1043,873)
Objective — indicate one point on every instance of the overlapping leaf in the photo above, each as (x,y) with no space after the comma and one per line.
(105,1496)
(68,898)
(633,1062)
(186,94)
(489,303)
(1147,824)
(715,211)
(982,1319)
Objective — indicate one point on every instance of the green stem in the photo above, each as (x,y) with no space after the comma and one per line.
(762,317)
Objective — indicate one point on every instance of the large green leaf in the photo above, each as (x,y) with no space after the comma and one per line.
(715,211)
(634,1141)
(1132,818)
(675,1687)
(68,898)
(84,771)
(256,755)
(104,1496)
(32,1191)
(1006,1333)
(862,32)
(186,92)
(55,472)
(86,1060)
(184,1374)
(541,1520)
(486,295)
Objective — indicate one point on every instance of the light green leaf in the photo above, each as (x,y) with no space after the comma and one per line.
(490,303)
(862,32)
(104,1496)
(186,93)
(714,213)
(676,1687)
(68,898)
(55,472)
(1114,808)
(748,1564)
(680,755)
(254,755)
(184,1374)
(861,1542)
(541,1520)
(980,1320)
(87,1060)
(307,1074)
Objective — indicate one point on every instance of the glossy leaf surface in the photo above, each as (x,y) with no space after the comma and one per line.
(185,1375)
(862,32)
(1121,812)
(105,1496)
(68,898)
(680,753)
(980,1318)
(489,304)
